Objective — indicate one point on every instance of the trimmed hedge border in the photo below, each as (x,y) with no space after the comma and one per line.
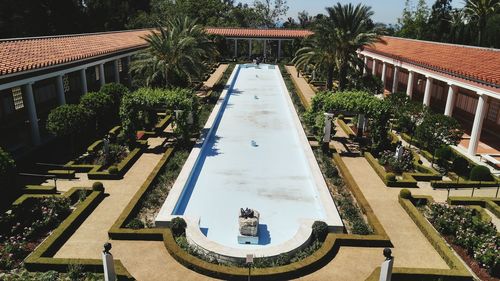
(347,130)
(457,271)
(41,259)
(39,189)
(409,179)
(492,204)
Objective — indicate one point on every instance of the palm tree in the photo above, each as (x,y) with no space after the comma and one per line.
(178,48)
(337,37)
(480,11)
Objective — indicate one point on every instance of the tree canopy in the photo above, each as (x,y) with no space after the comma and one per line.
(66,119)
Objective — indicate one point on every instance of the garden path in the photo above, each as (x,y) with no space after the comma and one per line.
(216,76)
(301,83)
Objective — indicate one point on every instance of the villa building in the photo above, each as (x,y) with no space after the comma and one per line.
(38,74)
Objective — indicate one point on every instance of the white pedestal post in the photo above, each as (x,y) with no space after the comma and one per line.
(328,127)
(108,264)
(386,268)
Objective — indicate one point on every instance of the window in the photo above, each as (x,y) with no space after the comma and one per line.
(66,86)
(17,97)
(120,65)
(493,111)
(466,103)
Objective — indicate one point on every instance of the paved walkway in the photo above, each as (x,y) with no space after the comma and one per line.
(215,77)
(301,83)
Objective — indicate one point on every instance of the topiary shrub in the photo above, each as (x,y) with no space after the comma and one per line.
(460,166)
(135,224)
(390,177)
(319,231)
(97,186)
(480,173)
(405,194)
(178,227)
(113,170)
(444,153)
(7,168)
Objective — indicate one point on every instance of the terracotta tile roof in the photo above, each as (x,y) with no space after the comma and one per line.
(18,55)
(259,33)
(480,65)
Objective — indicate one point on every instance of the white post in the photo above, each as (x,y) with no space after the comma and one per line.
(236,48)
(478,123)
(108,264)
(395,80)
(61,98)
(33,117)
(129,75)
(409,87)
(428,87)
(101,74)
(374,67)
(386,268)
(450,101)
(250,49)
(365,65)
(83,80)
(328,127)
(384,68)
(117,71)
(279,49)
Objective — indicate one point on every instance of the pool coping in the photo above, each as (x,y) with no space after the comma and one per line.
(194,234)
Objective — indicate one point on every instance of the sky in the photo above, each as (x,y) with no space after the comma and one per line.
(386,11)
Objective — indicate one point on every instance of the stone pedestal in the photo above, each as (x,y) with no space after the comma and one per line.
(386,270)
(109,267)
(249,228)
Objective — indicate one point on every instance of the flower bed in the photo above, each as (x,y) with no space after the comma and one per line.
(26,225)
(477,241)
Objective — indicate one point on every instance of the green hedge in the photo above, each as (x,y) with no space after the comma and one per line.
(347,130)
(41,259)
(303,99)
(492,204)
(72,194)
(420,274)
(39,189)
(458,270)
(62,174)
(407,181)
(462,184)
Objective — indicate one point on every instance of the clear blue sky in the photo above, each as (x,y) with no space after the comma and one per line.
(386,11)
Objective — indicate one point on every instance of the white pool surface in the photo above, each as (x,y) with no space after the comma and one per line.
(257,156)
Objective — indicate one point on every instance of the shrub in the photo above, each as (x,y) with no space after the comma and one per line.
(480,173)
(115,91)
(97,186)
(98,106)
(178,227)
(113,170)
(390,177)
(444,153)
(405,194)
(135,224)
(319,230)
(7,167)
(66,119)
(460,166)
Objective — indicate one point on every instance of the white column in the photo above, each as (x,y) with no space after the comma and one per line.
(365,65)
(265,47)
(450,101)
(235,48)
(117,71)
(61,98)
(478,123)
(250,48)
(395,80)
(33,117)
(83,80)
(374,67)
(384,68)
(129,75)
(428,87)
(279,49)
(101,74)
(409,87)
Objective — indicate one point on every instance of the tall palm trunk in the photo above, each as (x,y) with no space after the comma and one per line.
(166,77)
(342,76)
(329,78)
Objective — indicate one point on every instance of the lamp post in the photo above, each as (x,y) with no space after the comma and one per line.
(249,264)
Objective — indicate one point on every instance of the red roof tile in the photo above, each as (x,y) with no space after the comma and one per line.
(259,33)
(19,55)
(481,65)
